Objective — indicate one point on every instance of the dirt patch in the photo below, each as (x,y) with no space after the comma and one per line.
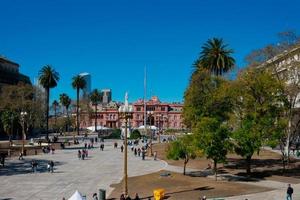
(180,187)
(266,165)
(198,163)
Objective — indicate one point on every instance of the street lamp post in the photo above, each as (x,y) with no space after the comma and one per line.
(159,126)
(125,113)
(150,114)
(23,115)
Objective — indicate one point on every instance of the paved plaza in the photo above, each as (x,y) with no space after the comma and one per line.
(98,171)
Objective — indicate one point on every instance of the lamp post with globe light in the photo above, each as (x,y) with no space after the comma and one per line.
(125,112)
(23,115)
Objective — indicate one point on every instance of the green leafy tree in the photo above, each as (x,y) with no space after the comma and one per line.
(207,106)
(183,148)
(213,139)
(48,78)
(78,83)
(8,119)
(135,134)
(95,99)
(15,99)
(257,117)
(206,96)
(216,57)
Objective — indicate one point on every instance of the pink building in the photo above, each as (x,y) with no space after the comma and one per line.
(159,114)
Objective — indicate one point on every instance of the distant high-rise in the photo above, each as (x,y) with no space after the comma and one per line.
(87,89)
(106,96)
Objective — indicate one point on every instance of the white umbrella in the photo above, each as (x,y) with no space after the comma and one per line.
(92,128)
(76,196)
(148,127)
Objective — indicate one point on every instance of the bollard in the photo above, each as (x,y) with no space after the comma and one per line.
(102,194)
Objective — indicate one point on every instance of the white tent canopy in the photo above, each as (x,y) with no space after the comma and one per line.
(148,127)
(92,128)
(76,196)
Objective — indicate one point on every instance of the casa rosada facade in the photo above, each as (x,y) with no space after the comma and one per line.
(159,114)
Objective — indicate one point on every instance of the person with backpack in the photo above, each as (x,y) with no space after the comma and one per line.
(289,192)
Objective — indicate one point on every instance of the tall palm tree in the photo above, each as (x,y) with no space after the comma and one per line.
(55,105)
(66,102)
(48,78)
(95,99)
(78,83)
(216,57)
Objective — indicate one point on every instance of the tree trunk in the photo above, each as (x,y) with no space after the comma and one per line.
(47,112)
(288,140)
(77,111)
(95,117)
(215,169)
(248,163)
(186,160)
(55,118)
(283,164)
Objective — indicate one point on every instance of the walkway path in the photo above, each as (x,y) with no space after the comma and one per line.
(98,171)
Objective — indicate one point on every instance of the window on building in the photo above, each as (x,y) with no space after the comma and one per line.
(163,108)
(151,108)
(138,109)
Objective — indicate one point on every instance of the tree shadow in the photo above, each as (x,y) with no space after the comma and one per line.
(24,167)
(201,173)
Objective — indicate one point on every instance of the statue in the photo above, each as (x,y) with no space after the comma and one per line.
(126,99)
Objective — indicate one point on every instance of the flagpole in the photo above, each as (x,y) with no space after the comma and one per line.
(145,99)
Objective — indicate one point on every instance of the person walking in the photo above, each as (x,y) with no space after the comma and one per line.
(21,156)
(135,152)
(155,155)
(83,154)
(48,167)
(122,197)
(52,166)
(137,197)
(95,196)
(143,154)
(79,154)
(34,166)
(289,192)
(122,148)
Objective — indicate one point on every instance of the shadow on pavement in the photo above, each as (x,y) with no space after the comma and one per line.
(24,167)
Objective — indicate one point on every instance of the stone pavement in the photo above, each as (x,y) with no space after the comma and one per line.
(98,171)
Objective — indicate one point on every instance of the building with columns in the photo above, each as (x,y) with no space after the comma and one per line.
(160,114)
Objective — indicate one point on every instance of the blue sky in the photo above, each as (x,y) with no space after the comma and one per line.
(114,40)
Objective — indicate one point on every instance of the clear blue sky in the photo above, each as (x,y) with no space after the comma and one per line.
(114,40)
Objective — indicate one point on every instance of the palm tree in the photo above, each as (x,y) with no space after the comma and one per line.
(216,57)
(78,83)
(55,105)
(48,78)
(95,99)
(66,102)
